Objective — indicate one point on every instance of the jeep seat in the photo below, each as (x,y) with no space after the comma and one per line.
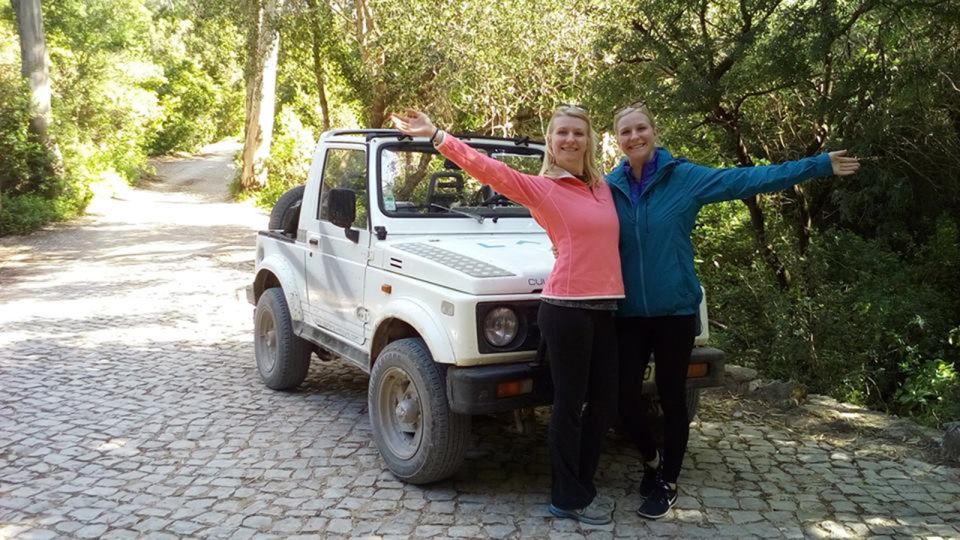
(445,189)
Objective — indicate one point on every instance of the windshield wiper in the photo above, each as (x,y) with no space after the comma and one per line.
(477,217)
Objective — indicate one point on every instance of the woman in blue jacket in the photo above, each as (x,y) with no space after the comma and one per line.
(657,198)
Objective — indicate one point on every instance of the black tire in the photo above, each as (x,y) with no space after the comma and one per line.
(286,212)
(420,439)
(283,358)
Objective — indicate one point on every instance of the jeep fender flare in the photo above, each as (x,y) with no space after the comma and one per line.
(424,321)
(275,271)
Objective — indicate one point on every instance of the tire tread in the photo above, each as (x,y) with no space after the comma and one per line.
(447,455)
(293,354)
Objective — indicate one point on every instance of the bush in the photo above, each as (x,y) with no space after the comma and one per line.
(21,214)
(196,110)
(931,390)
(860,321)
(32,192)
(290,156)
(26,166)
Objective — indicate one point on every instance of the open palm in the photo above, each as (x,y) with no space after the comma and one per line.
(842,164)
(413,123)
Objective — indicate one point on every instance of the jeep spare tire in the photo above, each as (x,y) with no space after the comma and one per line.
(286,211)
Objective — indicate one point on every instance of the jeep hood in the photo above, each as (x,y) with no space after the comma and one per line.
(487,264)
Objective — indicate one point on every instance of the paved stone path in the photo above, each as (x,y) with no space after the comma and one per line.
(130,407)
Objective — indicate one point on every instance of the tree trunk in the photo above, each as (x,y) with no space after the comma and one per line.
(263,47)
(757,221)
(769,256)
(318,63)
(35,63)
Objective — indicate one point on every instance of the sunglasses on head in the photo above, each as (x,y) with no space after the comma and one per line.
(634,105)
(570,106)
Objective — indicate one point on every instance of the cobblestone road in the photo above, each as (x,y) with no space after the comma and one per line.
(130,407)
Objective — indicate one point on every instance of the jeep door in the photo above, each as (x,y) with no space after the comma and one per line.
(336,265)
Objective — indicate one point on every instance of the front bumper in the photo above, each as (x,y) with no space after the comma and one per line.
(473,390)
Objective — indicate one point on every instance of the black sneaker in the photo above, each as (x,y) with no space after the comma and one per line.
(659,502)
(651,477)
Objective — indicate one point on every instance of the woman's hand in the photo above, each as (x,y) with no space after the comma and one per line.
(413,123)
(842,164)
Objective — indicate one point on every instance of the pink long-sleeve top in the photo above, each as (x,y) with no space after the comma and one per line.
(582,223)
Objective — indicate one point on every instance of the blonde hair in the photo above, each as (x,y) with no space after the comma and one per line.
(590,169)
(639,107)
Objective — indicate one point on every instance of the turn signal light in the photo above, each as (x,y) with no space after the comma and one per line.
(697,370)
(514,388)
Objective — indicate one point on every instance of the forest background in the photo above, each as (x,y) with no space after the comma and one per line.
(848,286)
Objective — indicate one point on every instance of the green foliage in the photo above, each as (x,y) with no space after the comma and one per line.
(931,390)
(25,165)
(31,191)
(864,323)
(195,110)
(290,158)
(24,213)
(201,93)
(130,78)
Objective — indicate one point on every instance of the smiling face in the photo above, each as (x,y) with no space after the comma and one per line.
(637,137)
(569,140)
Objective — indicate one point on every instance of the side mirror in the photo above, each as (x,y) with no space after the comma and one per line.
(342,209)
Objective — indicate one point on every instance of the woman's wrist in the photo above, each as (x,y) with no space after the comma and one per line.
(438,136)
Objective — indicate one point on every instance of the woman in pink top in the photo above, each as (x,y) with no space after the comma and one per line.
(572,202)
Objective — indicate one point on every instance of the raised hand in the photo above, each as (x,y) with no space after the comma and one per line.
(413,123)
(842,164)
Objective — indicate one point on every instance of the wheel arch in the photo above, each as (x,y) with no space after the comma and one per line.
(276,272)
(408,318)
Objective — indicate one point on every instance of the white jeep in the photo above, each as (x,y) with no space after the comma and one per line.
(393,259)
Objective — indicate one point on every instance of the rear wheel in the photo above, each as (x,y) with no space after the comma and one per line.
(283,358)
(420,439)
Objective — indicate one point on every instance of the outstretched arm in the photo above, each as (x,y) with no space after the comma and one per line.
(712,185)
(523,188)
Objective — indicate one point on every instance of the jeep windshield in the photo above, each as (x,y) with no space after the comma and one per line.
(417,181)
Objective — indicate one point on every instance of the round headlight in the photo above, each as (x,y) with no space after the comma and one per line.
(500,326)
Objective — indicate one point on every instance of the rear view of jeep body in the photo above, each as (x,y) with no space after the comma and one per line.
(397,261)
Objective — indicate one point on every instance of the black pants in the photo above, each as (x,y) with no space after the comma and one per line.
(670,339)
(582,348)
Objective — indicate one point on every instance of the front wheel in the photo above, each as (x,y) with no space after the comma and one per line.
(419,437)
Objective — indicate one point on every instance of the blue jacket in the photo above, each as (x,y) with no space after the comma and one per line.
(656,252)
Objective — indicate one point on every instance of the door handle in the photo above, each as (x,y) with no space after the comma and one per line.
(314,241)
